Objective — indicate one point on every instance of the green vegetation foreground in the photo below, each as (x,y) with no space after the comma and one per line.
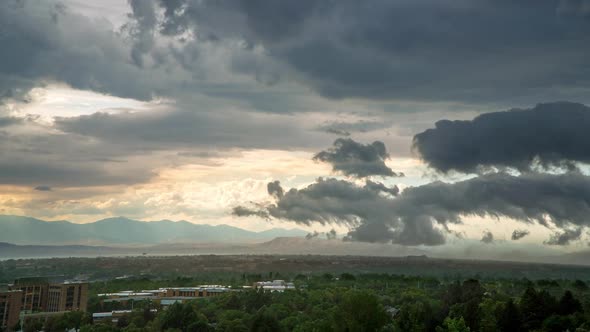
(363,302)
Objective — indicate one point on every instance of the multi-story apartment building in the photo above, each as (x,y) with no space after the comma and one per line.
(34,293)
(41,295)
(68,296)
(10,308)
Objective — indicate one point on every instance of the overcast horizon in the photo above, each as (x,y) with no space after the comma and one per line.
(431,124)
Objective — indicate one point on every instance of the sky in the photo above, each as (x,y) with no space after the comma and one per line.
(417,123)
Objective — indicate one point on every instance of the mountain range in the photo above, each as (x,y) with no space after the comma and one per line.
(286,246)
(29,237)
(278,246)
(124,231)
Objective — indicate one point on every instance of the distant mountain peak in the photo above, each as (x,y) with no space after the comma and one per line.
(115,219)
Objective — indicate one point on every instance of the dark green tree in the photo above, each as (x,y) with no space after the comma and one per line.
(488,320)
(580,285)
(264,321)
(360,311)
(199,325)
(548,303)
(453,325)
(531,309)
(179,316)
(471,290)
(568,304)
(347,276)
(557,323)
(509,319)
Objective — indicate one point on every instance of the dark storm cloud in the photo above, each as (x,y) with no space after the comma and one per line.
(46,43)
(564,238)
(420,215)
(335,131)
(438,50)
(380,187)
(43,188)
(542,198)
(274,189)
(50,43)
(460,51)
(43,42)
(143,11)
(487,237)
(242,211)
(346,128)
(357,159)
(270,21)
(552,135)
(332,201)
(518,234)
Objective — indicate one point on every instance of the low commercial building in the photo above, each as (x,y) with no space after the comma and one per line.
(199,291)
(10,308)
(164,296)
(274,286)
(112,316)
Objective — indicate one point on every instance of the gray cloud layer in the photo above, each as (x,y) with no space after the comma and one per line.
(356,159)
(420,215)
(459,51)
(43,42)
(553,134)
(38,156)
(192,128)
(439,50)
(143,11)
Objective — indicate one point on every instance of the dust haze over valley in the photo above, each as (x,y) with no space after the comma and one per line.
(125,237)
